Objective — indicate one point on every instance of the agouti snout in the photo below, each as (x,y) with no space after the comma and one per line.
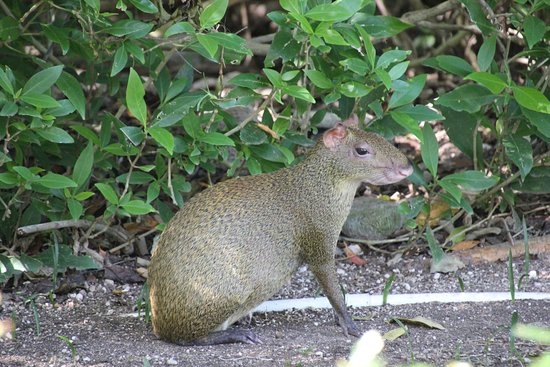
(237,243)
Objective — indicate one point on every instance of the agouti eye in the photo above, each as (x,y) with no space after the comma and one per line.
(362,151)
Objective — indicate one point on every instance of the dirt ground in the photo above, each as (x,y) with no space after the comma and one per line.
(95,319)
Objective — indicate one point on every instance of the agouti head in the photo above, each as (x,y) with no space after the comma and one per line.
(360,156)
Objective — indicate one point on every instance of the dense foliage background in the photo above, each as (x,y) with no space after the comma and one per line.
(112,113)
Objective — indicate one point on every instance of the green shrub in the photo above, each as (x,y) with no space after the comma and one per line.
(95,125)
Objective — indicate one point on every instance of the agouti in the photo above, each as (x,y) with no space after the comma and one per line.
(238,242)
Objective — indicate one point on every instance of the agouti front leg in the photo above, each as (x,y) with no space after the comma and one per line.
(328,279)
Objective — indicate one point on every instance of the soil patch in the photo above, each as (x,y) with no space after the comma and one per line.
(95,319)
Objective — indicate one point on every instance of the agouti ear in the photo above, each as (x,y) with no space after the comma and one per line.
(352,121)
(333,137)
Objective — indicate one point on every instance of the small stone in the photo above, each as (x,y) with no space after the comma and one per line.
(172,362)
(533,274)
(319,354)
(109,284)
(437,276)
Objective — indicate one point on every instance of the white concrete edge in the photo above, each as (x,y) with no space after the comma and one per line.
(366,300)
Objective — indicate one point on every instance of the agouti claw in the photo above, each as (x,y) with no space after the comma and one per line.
(226,337)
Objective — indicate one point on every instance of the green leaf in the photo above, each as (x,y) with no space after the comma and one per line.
(356,65)
(406,92)
(145,6)
(250,134)
(42,81)
(471,181)
(179,27)
(108,193)
(215,138)
(8,178)
(134,97)
(134,134)
(334,12)
(249,80)
(130,28)
(462,129)
(70,86)
(380,26)
(9,28)
(488,80)
(55,135)
(269,152)
(408,122)
(486,53)
(533,29)
(25,173)
(57,35)
(213,13)
(163,137)
(55,181)
(294,6)
(210,44)
(435,248)
(319,79)
(298,92)
(75,208)
(429,149)
(86,133)
(274,77)
(391,57)
(84,195)
(536,181)
(83,165)
(230,41)
(451,64)
(119,60)
(63,258)
(5,82)
(40,100)
(9,109)
(540,120)
(469,98)
(532,99)
(478,16)
(354,89)
(398,70)
(421,113)
(519,150)
(138,207)
(192,126)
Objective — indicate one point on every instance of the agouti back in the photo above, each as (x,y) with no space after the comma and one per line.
(238,242)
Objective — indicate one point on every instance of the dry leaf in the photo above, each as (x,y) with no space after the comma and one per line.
(267,129)
(352,256)
(438,208)
(420,320)
(394,334)
(465,245)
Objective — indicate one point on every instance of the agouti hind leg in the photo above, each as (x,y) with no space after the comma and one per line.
(225,337)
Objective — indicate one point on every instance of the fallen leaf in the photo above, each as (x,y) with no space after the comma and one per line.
(465,245)
(394,334)
(352,256)
(420,320)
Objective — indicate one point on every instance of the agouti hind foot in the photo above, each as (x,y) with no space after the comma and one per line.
(226,337)
(348,326)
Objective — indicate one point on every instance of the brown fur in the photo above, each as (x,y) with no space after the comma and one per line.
(237,243)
